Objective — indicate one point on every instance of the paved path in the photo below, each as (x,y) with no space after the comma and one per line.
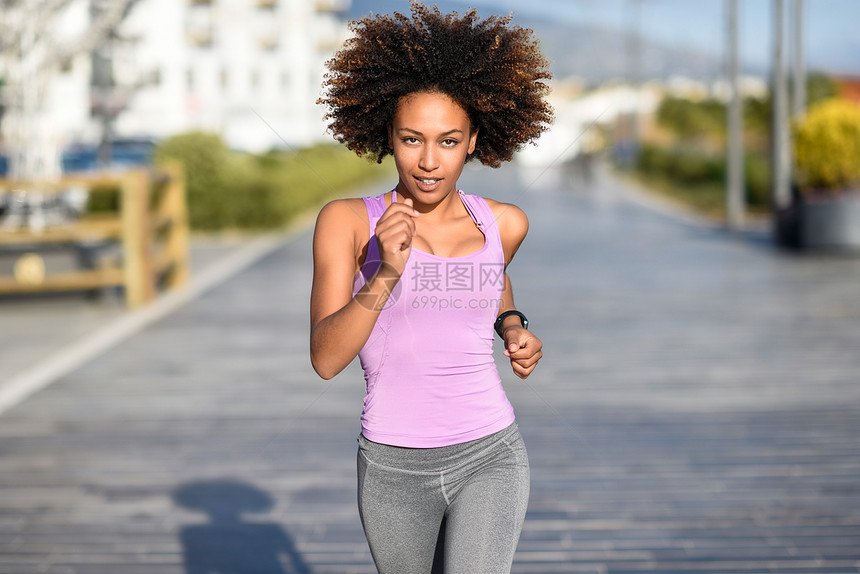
(697,411)
(39,326)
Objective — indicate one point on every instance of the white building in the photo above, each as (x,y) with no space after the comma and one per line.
(250,70)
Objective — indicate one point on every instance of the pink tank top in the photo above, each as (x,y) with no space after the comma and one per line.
(428,363)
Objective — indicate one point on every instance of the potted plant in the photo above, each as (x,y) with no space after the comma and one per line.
(827,176)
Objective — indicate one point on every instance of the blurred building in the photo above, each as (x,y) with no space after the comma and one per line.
(250,70)
(583,118)
(848,87)
(233,66)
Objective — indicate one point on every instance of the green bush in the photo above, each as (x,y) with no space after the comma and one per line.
(231,190)
(210,174)
(103,199)
(686,166)
(757,180)
(652,159)
(694,174)
(690,119)
(693,167)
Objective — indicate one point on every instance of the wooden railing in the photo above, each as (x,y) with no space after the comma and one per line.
(150,227)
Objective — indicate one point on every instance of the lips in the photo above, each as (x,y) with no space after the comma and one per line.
(427,183)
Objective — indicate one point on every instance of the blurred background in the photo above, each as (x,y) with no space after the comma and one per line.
(695,100)
(691,268)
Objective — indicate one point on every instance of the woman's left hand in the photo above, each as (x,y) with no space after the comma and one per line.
(524,350)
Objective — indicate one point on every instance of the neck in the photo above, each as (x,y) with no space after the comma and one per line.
(447,207)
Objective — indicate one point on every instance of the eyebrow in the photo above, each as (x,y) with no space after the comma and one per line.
(416,132)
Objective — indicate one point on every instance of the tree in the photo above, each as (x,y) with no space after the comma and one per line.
(30,58)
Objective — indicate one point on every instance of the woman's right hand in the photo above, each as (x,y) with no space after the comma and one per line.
(341,321)
(394,233)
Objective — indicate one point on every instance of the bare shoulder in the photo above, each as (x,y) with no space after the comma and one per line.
(348,212)
(341,223)
(512,221)
(513,225)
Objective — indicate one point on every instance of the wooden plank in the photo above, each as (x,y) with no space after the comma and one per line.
(58,185)
(153,211)
(136,240)
(178,238)
(160,223)
(162,262)
(90,229)
(73,281)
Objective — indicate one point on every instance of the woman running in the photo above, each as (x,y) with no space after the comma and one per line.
(414,282)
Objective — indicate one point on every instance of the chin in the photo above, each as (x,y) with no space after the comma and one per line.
(429,197)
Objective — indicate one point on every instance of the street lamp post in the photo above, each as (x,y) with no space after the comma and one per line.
(779,117)
(799,107)
(735,193)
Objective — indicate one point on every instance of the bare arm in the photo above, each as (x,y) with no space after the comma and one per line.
(340,322)
(521,345)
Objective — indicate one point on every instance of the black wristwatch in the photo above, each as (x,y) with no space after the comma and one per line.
(498,325)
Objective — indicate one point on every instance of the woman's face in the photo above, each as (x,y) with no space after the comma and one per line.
(431,137)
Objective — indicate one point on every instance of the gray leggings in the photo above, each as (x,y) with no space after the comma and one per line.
(455,509)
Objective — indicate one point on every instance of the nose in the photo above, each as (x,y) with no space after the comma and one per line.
(428,161)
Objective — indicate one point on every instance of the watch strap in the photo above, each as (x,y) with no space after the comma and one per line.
(502,316)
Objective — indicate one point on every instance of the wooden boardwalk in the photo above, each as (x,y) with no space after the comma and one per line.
(697,411)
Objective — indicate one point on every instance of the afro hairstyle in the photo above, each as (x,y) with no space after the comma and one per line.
(491,68)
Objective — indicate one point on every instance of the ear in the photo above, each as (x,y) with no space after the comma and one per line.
(391,137)
(473,139)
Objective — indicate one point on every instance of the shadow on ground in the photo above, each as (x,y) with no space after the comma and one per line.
(227,544)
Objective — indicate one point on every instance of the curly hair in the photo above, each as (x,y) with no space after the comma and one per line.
(491,68)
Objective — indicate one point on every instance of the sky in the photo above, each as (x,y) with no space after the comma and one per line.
(832,27)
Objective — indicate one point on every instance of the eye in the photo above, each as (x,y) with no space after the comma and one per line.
(409,140)
(450,142)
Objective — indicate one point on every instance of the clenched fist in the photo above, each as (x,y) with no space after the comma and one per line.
(394,233)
